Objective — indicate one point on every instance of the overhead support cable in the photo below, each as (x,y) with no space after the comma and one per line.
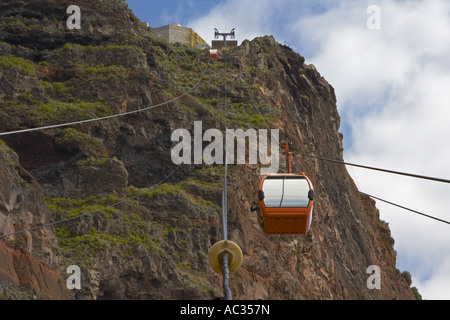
(375,168)
(385,201)
(110,116)
(90,212)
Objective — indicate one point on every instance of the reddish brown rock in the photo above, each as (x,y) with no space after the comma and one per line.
(24,277)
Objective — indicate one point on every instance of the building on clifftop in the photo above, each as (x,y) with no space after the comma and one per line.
(175,33)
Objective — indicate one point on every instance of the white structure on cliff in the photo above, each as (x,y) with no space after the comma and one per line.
(175,33)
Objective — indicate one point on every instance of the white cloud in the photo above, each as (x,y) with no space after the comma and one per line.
(392,87)
(250,19)
(174,14)
(436,286)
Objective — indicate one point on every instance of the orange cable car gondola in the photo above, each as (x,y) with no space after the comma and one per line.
(213,53)
(285,202)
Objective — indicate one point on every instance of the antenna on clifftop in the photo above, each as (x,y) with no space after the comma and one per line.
(217,44)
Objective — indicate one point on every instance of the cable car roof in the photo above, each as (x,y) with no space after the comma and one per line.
(285,175)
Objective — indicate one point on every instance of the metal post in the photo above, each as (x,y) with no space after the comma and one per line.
(226,278)
(225,271)
(285,146)
(224,202)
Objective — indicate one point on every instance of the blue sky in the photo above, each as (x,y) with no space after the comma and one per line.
(160,13)
(392,90)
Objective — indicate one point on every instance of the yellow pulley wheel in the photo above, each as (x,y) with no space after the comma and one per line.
(235,257)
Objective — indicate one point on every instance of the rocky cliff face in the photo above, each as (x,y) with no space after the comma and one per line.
(133,234)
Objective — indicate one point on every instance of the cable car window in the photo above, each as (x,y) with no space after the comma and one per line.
(273,191)
(286,193)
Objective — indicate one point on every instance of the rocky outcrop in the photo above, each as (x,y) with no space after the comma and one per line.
(31,24)
(22,207)
(139,227)
(22,277)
